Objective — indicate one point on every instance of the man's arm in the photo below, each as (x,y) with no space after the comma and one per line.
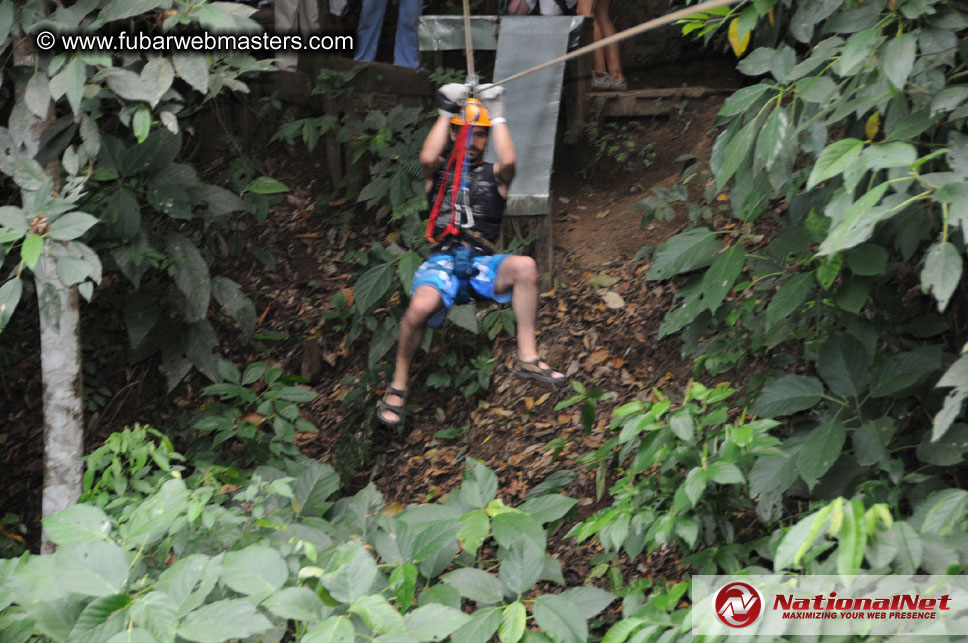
(493,99)
(450,97)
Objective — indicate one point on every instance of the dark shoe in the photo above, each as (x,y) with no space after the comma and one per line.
(384,407)
(533,370)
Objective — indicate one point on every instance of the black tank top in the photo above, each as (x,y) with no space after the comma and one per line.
(487,204)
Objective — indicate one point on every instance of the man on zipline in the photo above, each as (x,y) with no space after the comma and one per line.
(467,197)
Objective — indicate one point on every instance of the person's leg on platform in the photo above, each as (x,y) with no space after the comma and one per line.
(612,55)
(600,79)
(368,31)
(405,48)
(520,275)
(425,302)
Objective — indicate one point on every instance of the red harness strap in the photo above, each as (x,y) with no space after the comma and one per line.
(455,164)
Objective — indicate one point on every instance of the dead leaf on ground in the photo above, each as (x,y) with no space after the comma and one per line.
(613,299)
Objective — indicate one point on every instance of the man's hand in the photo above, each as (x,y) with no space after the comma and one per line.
(450,98)
(493,98)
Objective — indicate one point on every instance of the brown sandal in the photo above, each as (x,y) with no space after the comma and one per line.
(399,409)
(532,370)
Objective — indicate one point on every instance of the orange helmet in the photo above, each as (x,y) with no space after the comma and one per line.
(475,114)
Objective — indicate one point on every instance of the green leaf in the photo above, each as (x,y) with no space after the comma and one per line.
(789,297)
(314,485)
(378,614)
(403,582)
(475,525)
(950,447)
(852,539)
(619,632)
(223,620)
(156,612)
(101,619)
(736,151)
(121,9)
(560,618)
(513,622)
(942,272)
(10,293)
(482,626)
(230,296)
(335,629)
(265,185)
(684,252)
(590,601)
(834,159)
(548,508)
(771,139)
(845,366)
(157,76)
(296,603)
(867,259)
(817,89)
(71,226)
(141,123)
(857,223)
(78,524)
(897,58)
(512,528)
(722,472)
(479,486)
(434,622)
(30,250)
(947,511)
(475,584)
(354,575)
(903,370)
(521,567)
(372,286)
(885,155)
(150,521)
(191,276)
(14,218)
(820,450)
(741,100)
(695,484)
(407,268)
(255,570)
(193,69)
(787,395)
(870,443)
(771,475)
(799,538)
(721,275)
(97,568)
(37,94)
(133,635)
(857,50)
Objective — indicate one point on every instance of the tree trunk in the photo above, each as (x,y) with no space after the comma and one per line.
(60,358)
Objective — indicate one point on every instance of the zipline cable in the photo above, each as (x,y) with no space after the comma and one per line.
(468,44)
(622,35)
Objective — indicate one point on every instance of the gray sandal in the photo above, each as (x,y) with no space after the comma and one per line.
(532,370)
(399,409)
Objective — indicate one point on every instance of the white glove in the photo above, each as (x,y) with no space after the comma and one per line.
(493,98)
(451,97)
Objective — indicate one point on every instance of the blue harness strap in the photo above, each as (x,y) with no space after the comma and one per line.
(463,269)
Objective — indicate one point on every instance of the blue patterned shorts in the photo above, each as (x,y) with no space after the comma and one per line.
(438,272)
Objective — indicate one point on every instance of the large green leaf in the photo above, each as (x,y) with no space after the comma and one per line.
(193,69)
(156,612)
(475,525)
(101,619)
(906,369)
(548,508)
(946,512)
(30,251)
(434,622)
(787,395)
(521,567)
(721,275)
(857,222)
(513,622)
(771,475)
(684,252)
(560,618)
(513,527)
(788,298)
(820,450)
(852,539)
(314,486)
(335,629)
(121,9)
(98,568)
(845,366)
(190,580)
(150,521)
(223,620)
(255,570)
(354,576)
(942,272)
(479,486)
(835,158)
(475,584)
(378,614)
(742,99)
(897,58)
(372,286)
(191,276)
(870,441)
(480,628)
(799,538)
(885,155)
(590,601)
(771,139)
(10,294)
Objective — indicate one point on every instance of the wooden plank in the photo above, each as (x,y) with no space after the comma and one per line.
(648,102)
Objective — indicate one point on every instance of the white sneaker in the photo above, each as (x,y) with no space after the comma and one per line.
(601,80)
(617,83)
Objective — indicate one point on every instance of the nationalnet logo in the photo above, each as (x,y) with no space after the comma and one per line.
(830,605)
(738,604)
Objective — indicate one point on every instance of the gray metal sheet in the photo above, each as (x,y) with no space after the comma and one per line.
(443,33)
(532,103)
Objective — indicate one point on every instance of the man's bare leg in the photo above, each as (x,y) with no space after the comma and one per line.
(520,275)
(425,302)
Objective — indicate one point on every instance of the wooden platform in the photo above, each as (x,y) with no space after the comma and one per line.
(644,102)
